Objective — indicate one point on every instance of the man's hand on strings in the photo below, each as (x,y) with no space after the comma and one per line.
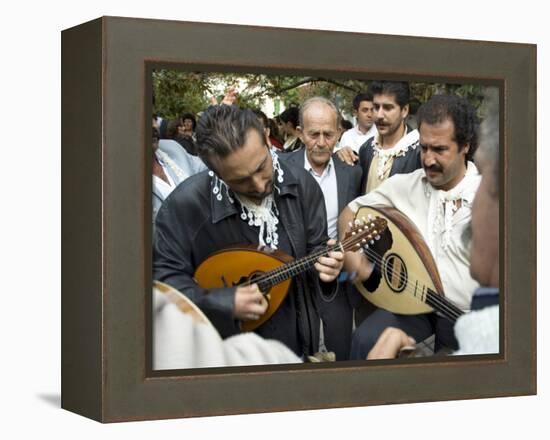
(250,303)
(356,264)
(329,267)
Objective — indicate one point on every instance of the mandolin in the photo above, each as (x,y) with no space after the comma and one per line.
(272,270)
(405,279)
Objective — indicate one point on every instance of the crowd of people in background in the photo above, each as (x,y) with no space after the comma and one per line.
(281,129)
(293,182)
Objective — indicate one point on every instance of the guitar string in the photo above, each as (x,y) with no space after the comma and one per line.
(276,274)
(306,262)
(445,306)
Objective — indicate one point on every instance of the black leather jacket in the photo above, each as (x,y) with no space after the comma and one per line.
(192,224)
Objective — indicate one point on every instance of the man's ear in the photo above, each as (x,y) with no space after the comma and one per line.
(405,111)
(300,133)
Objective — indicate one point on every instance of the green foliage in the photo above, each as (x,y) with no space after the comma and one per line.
(177,91)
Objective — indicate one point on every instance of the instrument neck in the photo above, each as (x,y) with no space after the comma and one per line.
(297,267)
(442,305)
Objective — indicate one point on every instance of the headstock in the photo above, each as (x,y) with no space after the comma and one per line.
(363,232)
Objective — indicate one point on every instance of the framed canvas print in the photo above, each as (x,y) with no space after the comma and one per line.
(120,73)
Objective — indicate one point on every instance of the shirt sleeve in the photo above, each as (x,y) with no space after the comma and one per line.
(384,195)
(180,342)
(344,141)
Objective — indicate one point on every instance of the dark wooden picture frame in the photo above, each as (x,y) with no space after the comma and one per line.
(106,208)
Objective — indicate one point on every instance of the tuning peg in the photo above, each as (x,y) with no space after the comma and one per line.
(363,241)
(350,224)
(377,237)
(354,233)
(371,242)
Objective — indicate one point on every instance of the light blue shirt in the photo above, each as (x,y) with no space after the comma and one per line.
(329,186)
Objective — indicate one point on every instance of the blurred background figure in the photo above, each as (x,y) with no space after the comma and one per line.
(274,135)
(187,125)
(289,125)
(171,166)
(173,132)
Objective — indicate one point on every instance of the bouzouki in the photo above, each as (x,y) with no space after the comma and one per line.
(405,279)
(272,270)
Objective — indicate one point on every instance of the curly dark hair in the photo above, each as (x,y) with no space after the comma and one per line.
(463,115)
(191,116)
(399,89)
(222,129)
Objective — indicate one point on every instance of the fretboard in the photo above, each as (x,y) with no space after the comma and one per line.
(269,279)
(443,305)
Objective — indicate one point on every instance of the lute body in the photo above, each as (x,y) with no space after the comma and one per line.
(405,279)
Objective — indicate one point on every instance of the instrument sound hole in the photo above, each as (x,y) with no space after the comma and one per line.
(264,286)
(379,248)
(395,272)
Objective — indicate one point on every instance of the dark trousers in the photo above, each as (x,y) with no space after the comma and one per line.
(418,326)
(337,316)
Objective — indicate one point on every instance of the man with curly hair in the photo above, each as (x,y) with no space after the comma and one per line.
(438,199)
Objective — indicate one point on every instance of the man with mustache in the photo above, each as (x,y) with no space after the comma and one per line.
(438,200)
(247,197)
(477,332)
(394,149)
(319,122)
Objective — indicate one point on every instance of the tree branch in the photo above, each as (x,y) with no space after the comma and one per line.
(308,80)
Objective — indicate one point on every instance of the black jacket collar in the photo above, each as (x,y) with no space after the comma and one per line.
(225,208)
